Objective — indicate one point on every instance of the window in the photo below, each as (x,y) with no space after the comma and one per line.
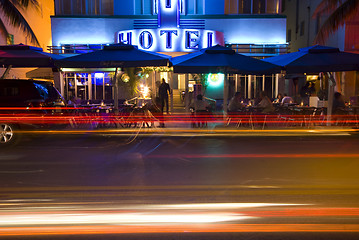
(273,6)
(43,91)
(66,7)
(289,35)
(302,24)
(84,7)
(93,7)
(144,7)
(283,5)
(259,6)
(194,6)
(245,7)
(252,6)
(46,90)
(233,6)
(9,92)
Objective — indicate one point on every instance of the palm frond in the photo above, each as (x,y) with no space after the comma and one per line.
(326,6)
(24,4)
(3,29)
(134,79)
(15,18)
(337,19)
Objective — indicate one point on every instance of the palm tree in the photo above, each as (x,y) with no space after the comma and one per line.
(340,11)
(10,13)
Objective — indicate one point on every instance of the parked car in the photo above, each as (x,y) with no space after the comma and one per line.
(21,97)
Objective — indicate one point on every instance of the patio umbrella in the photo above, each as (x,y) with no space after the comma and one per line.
(24,56)
(218,59)
(115,56)
(316,59)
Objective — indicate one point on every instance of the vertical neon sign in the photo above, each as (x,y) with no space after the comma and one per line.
(170,36)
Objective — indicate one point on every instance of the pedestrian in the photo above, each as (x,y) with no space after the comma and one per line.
(305,93)
(163,92)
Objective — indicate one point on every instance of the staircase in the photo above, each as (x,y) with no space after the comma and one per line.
(178,106)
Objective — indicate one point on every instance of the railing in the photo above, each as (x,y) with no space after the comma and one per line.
(75,48)
(260,50)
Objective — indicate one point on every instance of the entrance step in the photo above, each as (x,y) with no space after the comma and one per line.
(178,106)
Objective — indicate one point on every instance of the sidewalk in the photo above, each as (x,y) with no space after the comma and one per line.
(179,123)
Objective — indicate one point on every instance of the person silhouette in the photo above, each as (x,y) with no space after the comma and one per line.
(163,92)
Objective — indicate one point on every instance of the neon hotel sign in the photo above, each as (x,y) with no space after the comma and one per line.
(169,37)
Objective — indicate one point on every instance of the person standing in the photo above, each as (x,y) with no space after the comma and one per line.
(163,92)
(305,94)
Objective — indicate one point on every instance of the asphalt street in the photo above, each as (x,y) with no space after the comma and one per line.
(90,186)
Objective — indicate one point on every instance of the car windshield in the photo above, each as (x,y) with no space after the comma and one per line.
(46,90)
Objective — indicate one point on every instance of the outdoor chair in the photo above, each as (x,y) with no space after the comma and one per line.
(341,117)
(236,118)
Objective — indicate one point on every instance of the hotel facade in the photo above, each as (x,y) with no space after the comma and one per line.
(174,27)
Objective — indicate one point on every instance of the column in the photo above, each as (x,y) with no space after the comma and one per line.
(170,79)
(95,89)
(276,84)
(89,85)
(331,87)
(103,88)
(154,89)
(236,83)
(254,86)
(263,82)
(186,96)
(67,86)
(59,82)
(245,87)
(75,79)
(273,87)
(115,91)
(249,86)
(225,94)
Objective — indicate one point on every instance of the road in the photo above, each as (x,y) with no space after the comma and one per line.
(107,186)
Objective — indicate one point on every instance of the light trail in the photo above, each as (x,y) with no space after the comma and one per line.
(39,115)
(259,155)
(202,132)
(173,228)
(174,218)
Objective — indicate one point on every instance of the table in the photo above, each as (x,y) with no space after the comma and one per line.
(143,101)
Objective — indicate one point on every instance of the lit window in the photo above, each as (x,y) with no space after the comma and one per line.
(84,7)
(252,6)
